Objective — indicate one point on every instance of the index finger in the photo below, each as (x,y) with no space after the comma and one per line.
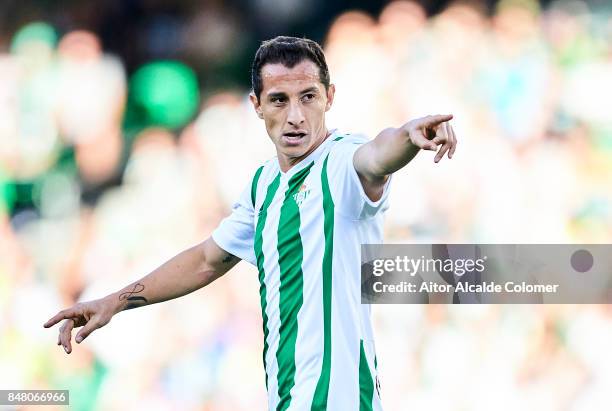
(431,121)
(62,315)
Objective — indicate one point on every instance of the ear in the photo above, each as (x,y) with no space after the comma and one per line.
(256,104)
(330,96)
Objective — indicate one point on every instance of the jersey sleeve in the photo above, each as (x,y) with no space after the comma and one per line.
(235,234)
(349,197)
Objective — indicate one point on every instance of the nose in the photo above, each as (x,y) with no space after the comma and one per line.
(295,117)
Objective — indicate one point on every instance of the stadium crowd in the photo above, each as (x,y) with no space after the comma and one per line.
(104,175)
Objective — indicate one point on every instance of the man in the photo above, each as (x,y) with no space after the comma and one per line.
(301,221)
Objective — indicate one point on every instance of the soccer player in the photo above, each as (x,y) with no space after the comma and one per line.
(301,220)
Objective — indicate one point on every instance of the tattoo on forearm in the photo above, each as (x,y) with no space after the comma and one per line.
(127,294)
(134,301)
(228,259)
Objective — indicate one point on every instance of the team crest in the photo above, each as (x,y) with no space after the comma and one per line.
(301,195)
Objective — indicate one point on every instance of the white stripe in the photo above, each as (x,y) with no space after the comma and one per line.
(309,340)
(272,280)
(346,327)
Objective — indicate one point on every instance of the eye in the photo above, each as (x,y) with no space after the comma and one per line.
(308,97)
(277,100)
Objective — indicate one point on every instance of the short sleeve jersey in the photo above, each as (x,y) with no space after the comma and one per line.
(303,229)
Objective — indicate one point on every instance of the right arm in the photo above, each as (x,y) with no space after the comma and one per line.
(184,273)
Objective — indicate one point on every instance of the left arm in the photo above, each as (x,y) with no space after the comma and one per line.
(393,148)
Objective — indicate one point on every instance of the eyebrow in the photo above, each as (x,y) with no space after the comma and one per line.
(276,95)
(281,94)
(309,90)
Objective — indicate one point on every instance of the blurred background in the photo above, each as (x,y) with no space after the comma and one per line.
(126,134)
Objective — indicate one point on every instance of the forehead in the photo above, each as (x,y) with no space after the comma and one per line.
(278,77)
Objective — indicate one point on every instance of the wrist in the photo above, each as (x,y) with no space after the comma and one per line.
(407,137)
(115,303)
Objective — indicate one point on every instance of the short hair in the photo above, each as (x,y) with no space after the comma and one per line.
(289,51)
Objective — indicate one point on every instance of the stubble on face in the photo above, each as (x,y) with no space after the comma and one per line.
(293,103)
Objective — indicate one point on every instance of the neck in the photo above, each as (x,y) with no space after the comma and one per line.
(287,162)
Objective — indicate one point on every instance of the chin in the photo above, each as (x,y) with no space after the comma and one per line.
(294,151)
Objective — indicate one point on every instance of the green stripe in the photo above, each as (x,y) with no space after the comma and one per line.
(319,401)
(366,384)
(290,255)
(254,184)
(338,138)
(258,245)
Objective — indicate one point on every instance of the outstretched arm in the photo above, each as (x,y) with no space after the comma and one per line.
(393,148)
(184,273)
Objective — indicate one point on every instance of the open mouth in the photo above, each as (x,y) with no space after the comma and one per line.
(294,137)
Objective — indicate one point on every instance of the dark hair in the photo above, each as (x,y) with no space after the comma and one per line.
(288,51)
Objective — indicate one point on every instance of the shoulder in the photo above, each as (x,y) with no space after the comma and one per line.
(268,172)
(265,171)
(345,144)
(341,139)
(262,177)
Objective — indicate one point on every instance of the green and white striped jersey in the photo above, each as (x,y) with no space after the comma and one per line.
(303,229)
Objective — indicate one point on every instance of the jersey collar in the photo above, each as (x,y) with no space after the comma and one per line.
(310,157)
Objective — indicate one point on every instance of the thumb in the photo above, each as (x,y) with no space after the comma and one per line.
(91,325)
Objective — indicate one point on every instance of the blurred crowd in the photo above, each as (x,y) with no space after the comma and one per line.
(106,172)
